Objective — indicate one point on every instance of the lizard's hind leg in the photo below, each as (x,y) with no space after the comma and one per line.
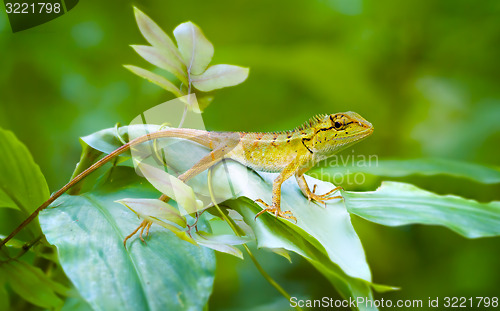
(214,157)
(275,208)
(145,224)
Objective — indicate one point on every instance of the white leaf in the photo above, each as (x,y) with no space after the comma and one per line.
(216,243)
(172,187)
(228,239)
(155,57)
(157,37)
(228,249)
(195,49)
(160,213)
(219,76)
(156,79)
(152,209)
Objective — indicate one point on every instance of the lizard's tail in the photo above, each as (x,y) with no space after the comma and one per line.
(198,136)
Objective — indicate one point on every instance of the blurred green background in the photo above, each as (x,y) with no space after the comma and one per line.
(425,73)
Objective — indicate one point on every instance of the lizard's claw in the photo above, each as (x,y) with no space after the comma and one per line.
(322,198)
(146,224)
(275,210)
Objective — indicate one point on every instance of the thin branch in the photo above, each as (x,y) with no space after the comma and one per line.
(254,260)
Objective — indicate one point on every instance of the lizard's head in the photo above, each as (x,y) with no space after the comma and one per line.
(338,131)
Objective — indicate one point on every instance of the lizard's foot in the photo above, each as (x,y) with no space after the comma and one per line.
(146,224)
(322,198)
(274,210)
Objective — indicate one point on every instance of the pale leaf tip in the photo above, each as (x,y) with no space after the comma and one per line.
(184,25)
(246,70)
(137,11)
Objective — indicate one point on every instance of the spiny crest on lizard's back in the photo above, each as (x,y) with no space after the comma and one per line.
(317,119)
(312,122)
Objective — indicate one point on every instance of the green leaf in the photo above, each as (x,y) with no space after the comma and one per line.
(396,204)
(330,226)
(4,254)
(12,242)
(195,49)
(156,79)
(22,185)
(328,229)
(155,57)
(4,296)
(157,37)
(338,252)
(76,304)
(33,285)
(88,157)
(282,252)
(88,230)
(204,102)
(425,167)
(219,76)
(274,234)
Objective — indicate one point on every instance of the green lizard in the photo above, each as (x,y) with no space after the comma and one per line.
(288,153)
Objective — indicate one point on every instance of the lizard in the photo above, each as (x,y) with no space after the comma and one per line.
(287,153)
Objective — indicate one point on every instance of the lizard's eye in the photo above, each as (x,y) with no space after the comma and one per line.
(338,125)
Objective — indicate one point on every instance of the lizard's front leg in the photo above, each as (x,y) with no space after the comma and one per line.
(321,198)
(275,208)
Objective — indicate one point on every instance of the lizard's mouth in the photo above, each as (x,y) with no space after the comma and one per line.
(357,136)
(361,134)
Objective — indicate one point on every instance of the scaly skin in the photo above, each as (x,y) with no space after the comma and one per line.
(288,153)
(295,152)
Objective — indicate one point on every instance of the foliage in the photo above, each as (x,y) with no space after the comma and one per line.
(397,204)
(339,255)
(89,229)
(408,204)
(425,167)
(188,61)
(22,188)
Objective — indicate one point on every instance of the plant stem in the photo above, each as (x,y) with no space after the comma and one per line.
(271,281)
(188,92)
(183,116)
(88,157)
